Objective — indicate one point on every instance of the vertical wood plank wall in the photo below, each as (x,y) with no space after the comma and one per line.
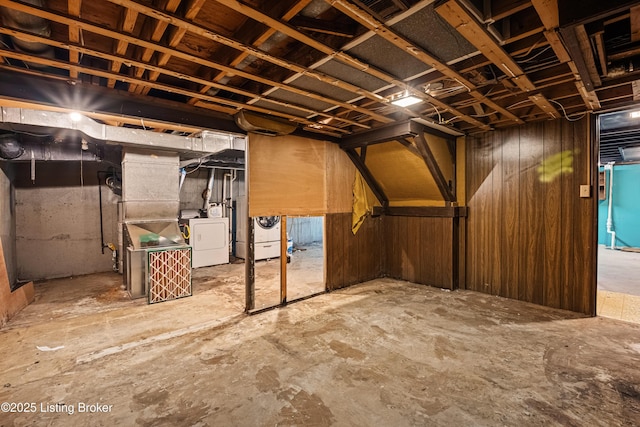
(527,238)
(420,250)
(352,259)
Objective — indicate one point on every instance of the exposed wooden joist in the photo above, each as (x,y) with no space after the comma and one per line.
(545,105)
(387,33)
(75,36)
(85,25)
(368,177)
(192,9)
(434,168)
(467,25)
(325,27)
(234,105)
(549,14)
(635,23)
(341,56)
(292,12)
(127,25)
(190,78)
(587,54)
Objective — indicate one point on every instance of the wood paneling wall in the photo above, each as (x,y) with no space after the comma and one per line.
(529,238)
(421,250)
(352,259)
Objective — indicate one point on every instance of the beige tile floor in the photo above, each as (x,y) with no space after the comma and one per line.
(618,285)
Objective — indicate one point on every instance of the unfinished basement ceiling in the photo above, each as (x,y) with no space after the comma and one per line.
(330,67)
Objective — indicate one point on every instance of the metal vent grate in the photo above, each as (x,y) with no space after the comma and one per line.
(169,274)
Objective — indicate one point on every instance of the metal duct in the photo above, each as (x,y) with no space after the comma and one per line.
(264,125)
(10,148)
(33,24)
(207,142)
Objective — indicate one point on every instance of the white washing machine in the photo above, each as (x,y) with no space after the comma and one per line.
(209,240)
(266,233)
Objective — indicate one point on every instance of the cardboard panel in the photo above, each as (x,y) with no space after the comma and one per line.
(286,175)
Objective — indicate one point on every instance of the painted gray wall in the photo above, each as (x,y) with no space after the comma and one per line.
(58,221)
(195,183)
(305,230)
(8,219)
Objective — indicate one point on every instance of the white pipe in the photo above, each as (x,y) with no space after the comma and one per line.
(225,202)
(234,177)
(610,230)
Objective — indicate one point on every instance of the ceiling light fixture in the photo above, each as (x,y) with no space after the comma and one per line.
(635,114)
(406,100)
(75,116)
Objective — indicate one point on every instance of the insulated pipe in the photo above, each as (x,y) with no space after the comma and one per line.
(610,230)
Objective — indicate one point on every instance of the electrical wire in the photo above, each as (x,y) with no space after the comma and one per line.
(197,167)
(534,56)
(565,112)
(533,46)
(435,108)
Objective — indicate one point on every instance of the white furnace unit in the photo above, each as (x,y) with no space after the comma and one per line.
(209,240)
(266,233)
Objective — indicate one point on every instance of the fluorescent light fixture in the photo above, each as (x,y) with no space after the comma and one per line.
(635,114)
(406,101)
(75,116)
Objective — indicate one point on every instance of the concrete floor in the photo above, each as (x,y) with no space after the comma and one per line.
(385,352)
(618,284)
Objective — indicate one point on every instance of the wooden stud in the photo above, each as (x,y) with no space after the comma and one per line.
(283,259)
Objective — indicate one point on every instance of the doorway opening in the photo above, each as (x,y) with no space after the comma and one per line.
(618,192)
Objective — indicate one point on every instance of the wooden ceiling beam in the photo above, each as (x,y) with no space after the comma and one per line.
(549,14)
(544,104)
(75,36)
(292,12)
(635,23)
(379,28)
(127,25)
(231,106)
(182,76)
(469,27)
(213,36)
(341,56)
(85,25)
(157,33)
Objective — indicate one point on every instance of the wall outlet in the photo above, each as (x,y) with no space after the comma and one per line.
(585,191)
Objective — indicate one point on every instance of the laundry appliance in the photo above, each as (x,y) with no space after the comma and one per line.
(266,233)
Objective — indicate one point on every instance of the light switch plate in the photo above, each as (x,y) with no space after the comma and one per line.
(585,191)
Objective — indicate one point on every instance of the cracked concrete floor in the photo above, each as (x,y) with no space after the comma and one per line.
(385,352)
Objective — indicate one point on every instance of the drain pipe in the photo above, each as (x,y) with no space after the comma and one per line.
(610,230)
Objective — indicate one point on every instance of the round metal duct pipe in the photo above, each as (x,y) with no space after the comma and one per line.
(33,24)
(10,148)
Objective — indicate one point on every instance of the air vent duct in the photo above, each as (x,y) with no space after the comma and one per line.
(10,148)
(264,125)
